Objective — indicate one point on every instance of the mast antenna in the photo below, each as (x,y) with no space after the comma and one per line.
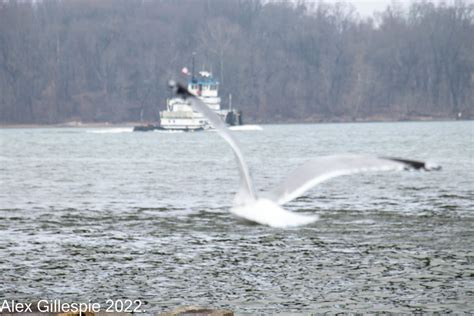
(193,78)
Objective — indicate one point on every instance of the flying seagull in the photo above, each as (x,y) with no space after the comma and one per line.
(266,209)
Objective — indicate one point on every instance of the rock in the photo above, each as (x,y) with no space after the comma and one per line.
(198,311)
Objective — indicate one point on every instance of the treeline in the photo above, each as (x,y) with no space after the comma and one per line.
(110,60)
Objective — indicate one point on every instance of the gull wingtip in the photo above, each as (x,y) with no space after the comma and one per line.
(415,164)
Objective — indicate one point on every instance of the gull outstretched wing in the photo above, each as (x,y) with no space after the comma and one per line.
(247,192)
(324,168)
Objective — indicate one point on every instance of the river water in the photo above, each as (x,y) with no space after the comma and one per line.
(91,214)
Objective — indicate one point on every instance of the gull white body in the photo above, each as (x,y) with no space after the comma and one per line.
(267,212)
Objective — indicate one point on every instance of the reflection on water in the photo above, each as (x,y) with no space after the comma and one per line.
(88,214)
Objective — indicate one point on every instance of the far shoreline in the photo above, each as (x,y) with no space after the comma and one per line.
(276,122)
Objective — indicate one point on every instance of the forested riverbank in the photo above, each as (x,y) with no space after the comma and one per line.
(109,61)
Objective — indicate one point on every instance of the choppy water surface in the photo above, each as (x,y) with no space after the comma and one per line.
(97,214)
